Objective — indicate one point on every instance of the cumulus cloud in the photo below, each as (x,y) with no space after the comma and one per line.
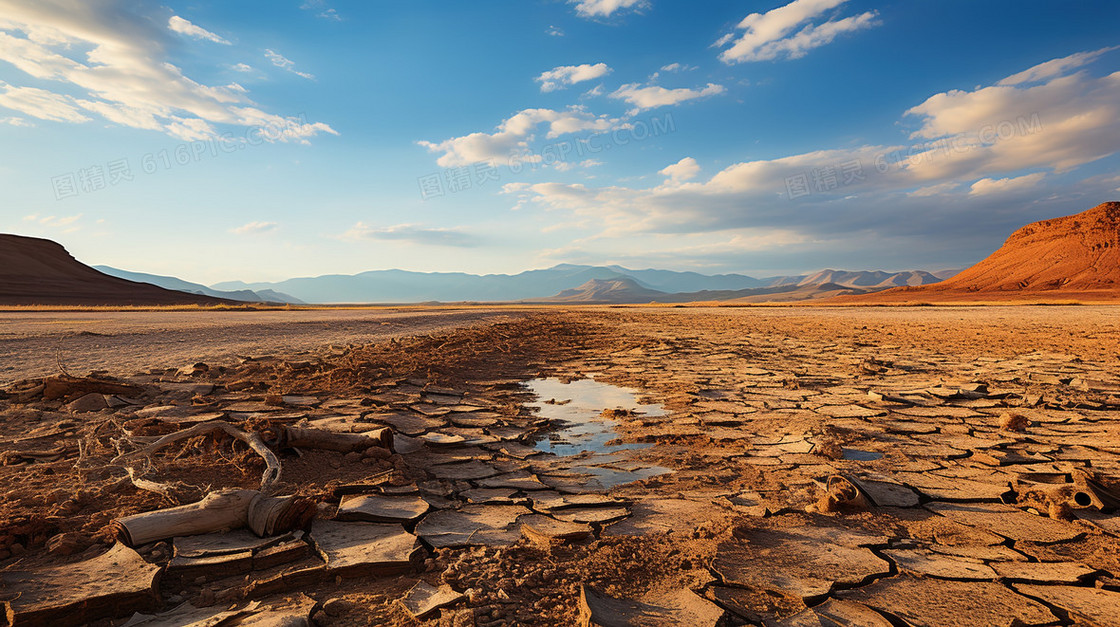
(106,59)
(285,63)
(653,96)
(412,233)
(254,228)
(981,141)
(768,36)
(185,27)
(606,8)
(241,67)
(15,121)
(1000,186)
(554,31)
(682,170)
(560,77)
(512,137)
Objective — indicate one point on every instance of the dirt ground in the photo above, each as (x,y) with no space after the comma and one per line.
(870,466)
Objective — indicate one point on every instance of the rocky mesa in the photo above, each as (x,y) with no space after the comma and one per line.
(1074,257)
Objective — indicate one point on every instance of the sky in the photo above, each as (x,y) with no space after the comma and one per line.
(260,140)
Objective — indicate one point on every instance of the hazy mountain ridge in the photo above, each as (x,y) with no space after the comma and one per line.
(35,271)
(402,286)
(173,283)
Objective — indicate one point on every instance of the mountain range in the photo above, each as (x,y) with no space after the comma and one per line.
(172,283)
(614,284)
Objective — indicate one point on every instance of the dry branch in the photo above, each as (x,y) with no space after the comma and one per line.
(269,478)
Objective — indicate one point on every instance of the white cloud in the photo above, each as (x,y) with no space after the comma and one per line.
(412,233)
(1000,186)
(766,36)
(554,31)
(241,67)
(606,8)
(996,134)
(15,121)
(678,67)
(321,9)
(681,171)
(105,58)
(184,27)
(1055,67)
(66,224)
(41,104)
(285,63)
(565,166)
(560,77)
(653,96)
(934,190)
(511,140)
(254,228)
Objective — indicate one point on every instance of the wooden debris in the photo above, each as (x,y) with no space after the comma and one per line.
(223,509)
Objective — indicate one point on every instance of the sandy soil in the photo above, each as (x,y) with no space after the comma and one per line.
(960,521)
(132,341)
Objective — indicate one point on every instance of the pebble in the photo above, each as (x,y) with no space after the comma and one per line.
(336,606)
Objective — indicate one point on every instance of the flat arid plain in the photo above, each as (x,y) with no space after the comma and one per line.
(555,465)
(588,313)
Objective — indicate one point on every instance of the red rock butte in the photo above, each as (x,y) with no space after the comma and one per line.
(1072,258)
(37,271)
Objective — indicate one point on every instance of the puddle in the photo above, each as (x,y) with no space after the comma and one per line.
(576,408)
(860,456)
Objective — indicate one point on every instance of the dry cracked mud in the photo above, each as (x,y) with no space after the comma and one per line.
(913,466)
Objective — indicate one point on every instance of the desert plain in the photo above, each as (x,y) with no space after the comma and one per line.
(625,465)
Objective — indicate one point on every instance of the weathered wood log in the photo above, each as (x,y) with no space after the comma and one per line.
(70,388)
(307,437)
(218,511)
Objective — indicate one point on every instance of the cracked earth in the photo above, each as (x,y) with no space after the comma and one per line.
(795,466)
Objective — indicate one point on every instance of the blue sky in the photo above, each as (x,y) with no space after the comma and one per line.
(260,140)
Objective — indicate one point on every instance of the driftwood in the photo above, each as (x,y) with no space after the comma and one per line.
(269,478)
(70,388)
(221,510)
(307,437)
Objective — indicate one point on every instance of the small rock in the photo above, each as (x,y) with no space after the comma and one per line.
(352,457)
(67,544)
(17,549)
(205,598)
(1060,511)
(274,400)
(377,452)
(337,607)
(90,402)
(1012,421)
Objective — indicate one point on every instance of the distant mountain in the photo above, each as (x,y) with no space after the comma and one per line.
(865,279)
(400,286)
(624,290)
(1074,257)
(172,283)
(37,271)
(628,291)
